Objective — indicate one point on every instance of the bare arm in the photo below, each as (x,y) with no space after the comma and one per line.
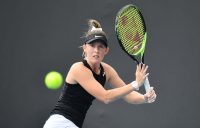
(138,98)
(134,97)
(85,78)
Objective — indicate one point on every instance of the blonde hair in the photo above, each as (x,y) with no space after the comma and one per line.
(93,27)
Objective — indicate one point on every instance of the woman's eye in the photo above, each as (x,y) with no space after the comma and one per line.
(92,45)
(101,46)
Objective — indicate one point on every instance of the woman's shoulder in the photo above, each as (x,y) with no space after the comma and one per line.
(77,70)
(77,65)
(107,66)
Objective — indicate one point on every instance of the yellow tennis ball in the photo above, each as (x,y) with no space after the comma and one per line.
(53,80)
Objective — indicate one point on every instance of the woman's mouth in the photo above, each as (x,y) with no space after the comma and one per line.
(96,56)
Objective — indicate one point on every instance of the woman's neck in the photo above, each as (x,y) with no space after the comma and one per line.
(94,66)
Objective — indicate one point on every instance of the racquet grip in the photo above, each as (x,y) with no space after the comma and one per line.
(146,84)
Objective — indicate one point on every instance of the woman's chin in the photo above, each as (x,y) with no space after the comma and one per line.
(96,60)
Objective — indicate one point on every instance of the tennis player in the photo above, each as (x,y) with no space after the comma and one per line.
(85,82)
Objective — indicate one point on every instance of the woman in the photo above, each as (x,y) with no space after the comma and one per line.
(85,81)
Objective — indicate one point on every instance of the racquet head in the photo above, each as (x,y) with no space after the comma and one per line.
(131,32)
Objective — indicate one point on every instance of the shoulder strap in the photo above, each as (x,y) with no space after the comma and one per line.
(102,70)
(86,64)
(101,77)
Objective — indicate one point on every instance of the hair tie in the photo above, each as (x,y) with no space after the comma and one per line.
(96,29)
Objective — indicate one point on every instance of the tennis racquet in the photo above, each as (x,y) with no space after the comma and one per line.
(131,34)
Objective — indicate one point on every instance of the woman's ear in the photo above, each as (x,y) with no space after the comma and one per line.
(84,46)
(107,50)
(84,50)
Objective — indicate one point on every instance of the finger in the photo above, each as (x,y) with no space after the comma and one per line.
(145,76)
(148,95)
(145,69)
(143,66)
(138,68)
(150,90)
(145,97)
(152,93)
(151,101)
(152,98)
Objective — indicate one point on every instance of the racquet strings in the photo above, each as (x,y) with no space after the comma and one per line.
(131,30)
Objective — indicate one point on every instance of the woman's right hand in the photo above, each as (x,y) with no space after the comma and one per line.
(141,73)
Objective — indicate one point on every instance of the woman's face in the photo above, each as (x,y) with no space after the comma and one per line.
(95,51)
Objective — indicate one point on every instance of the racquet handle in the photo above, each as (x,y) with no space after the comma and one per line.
(146,84)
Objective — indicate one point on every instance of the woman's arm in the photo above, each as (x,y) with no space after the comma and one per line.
(134,97)
(84,77)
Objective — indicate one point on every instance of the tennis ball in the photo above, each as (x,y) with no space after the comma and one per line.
(53,80)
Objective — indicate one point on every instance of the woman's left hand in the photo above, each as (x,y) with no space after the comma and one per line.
(150,96)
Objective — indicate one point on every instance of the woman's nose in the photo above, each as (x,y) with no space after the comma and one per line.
(96,49)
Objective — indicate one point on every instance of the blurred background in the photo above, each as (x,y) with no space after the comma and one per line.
(40,36)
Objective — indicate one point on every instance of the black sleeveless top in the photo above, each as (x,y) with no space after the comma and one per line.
(74,101)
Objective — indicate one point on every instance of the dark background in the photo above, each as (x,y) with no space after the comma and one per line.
(39,36)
